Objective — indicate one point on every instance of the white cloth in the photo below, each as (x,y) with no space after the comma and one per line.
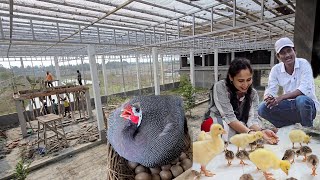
(300,79)
(299,169)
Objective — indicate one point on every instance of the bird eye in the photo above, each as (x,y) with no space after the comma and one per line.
(219,128)
(137,110)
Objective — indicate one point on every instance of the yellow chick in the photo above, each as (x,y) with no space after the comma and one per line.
(204,151)
(313,161)
(265,160)
(289,155)
(242,140)
(298,136)
(203,136)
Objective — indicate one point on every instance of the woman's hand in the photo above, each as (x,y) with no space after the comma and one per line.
(270,136)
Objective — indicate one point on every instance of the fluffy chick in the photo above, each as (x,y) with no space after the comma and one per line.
(289,155)
(242,155)
(193,175)
(229,155)
(298,136)
(205,151)
(242,140)
(265,160)
(246,177)
(203,136)
(260,143)
(253,145)
(304,151)
(313,161)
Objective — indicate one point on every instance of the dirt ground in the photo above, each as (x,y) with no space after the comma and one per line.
(91,164)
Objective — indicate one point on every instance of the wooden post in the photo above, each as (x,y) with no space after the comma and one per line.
(22,120)
(88,102)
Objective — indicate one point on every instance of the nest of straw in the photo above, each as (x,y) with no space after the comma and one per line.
(117,166)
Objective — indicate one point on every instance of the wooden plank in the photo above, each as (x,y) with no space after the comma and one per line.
(48,92)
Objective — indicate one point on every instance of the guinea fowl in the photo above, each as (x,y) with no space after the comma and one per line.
(149,130)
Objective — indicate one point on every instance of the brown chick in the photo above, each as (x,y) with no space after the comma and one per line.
(253,145)
(289,155)
(246,177)
(242,155)
(226,144)
(260,143)
(193,175)
(313,161)
(304,151)
(229,155)
(291,178)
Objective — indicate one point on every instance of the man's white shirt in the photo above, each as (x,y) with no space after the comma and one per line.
(301,79)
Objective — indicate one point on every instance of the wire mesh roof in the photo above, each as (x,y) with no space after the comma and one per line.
(66,27)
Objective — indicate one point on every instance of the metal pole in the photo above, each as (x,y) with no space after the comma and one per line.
(105,76)
(122,74)
(216,65)
(155,71)
(96,90)
(192,74)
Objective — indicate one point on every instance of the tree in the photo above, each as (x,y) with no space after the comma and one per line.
(188,93)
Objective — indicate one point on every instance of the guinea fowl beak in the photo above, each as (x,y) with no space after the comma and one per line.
(126,112)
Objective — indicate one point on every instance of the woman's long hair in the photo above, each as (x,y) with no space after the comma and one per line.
(235,67)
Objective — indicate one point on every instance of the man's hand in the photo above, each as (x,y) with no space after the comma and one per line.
(270,136)
(272,101)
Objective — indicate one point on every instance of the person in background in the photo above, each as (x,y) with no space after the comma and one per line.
(79,78)
(66,105)
(234,103)
(45,109)
(55,107)
(49,79)
(298,103)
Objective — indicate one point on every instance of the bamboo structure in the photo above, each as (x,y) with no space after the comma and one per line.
(77,96)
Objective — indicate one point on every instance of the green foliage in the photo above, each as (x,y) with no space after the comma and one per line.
(188,93)
(21,170)
(4,75)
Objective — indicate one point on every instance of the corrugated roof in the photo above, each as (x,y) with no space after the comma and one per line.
(66,27)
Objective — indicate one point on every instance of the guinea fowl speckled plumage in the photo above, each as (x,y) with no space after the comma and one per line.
(158,140)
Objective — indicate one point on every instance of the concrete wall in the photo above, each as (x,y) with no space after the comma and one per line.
(12,119)
(204,76)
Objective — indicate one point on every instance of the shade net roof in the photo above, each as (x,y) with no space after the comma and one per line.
(66,27)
